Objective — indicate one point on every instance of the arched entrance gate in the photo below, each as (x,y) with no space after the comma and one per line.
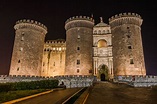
(103,72)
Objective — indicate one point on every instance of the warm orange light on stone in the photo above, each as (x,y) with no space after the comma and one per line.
(88,47)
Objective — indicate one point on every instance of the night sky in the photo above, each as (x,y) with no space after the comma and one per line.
(54,14)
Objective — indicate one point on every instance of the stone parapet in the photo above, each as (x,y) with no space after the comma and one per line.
(55,45)
(55,41)
(79,21)
(138,81)
(72,81)
(21,78)
(125,18)
(30,24)
(80,18)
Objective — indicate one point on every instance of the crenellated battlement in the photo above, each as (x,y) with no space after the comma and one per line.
(58,45)
(124,15)
(79,21)
(125,18)
(55,49)
(22,78)
(58,41)
(80,18)
(26,23)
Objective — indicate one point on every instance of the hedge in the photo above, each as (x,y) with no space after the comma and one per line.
(43,84)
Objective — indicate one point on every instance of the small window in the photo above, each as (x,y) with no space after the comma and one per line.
(17,69)
(95,31)
(129,47)
(108,31)
(78,70)
(128,36)
(78,48)
(19,61)
(22,38)
(78,37)
(131,61)
(78,62)
(90,71)
(21,49)
(99,32)
(104,32)
(128,27)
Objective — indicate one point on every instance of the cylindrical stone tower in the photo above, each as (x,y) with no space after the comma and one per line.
(79,45)
(28,48)
(128,57)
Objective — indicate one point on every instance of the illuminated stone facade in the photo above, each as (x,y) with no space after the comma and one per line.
(101,49)
(128,54)
(54,58)
(28,48)
(79,46)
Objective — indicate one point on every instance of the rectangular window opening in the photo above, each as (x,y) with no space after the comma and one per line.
(90,71)
(78,37)
(78,70)
(78,62)
(22,38)
(21,49)
(129,47)
(22,34)
(78,48)
(131,61)
(128,36)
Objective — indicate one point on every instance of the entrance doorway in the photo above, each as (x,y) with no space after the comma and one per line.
(102,77)
(103,72)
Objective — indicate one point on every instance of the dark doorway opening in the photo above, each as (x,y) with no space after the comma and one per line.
(102,77)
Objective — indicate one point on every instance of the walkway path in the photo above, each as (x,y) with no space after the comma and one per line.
(55,97)
(109,93)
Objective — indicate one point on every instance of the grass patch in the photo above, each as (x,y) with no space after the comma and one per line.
(11,95)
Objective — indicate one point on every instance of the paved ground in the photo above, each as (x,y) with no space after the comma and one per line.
(56,97)
(109,93)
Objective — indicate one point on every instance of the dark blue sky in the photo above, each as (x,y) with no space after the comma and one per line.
(54,14)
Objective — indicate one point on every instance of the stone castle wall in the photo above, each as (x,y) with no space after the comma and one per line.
(28,48)
(79,46)
(31,56)
(128,54)
(54,58)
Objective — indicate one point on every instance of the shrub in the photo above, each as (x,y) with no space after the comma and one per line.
(5,87)
(43,84)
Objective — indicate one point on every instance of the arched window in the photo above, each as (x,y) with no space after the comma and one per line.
(99,32)
(104,32)
(102,43)
(108,31)
(95,32)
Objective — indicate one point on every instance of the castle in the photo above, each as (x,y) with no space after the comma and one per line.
(101,50)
